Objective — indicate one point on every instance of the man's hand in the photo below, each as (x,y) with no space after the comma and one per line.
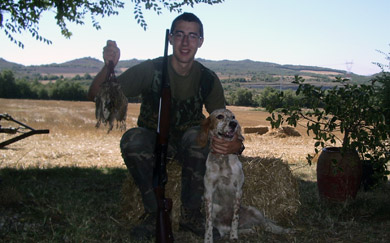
(111,52)
(221,146)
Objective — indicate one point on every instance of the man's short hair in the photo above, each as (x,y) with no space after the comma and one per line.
(189,17)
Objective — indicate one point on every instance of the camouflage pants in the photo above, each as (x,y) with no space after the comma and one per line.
(137,146)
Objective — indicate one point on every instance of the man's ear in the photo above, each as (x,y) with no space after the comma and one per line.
(170,39)
(200,42)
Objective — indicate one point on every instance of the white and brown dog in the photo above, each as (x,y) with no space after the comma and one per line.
(223,184)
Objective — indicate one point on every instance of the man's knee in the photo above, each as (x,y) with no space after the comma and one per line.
(190,137)
(190,147)
(137,147)
(136,138)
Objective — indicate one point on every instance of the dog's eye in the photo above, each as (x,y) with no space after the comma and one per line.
(219,117)
(233,117)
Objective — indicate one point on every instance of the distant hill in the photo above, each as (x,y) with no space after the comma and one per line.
(77,66)
(250,67)
(226,69)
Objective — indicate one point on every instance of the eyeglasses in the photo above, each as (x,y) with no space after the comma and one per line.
(179,36)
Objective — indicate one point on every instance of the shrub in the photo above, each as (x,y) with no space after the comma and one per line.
(353,110)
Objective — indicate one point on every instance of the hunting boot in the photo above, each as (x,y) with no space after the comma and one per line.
(192,220)
(146,229)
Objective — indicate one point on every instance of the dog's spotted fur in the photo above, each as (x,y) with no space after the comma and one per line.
(223,184)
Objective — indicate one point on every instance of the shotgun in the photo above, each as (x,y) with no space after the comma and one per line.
(160,177)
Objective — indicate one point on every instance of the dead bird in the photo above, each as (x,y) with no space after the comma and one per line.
(111,103)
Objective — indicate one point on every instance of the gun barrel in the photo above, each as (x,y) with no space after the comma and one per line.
(160,177)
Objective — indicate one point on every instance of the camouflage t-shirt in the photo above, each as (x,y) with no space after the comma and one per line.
(143,80)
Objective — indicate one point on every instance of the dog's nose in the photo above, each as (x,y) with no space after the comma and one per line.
(232,124)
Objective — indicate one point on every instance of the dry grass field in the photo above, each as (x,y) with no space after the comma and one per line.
(74,141)
(66,185)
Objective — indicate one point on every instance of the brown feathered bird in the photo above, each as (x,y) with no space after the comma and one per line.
(111,103)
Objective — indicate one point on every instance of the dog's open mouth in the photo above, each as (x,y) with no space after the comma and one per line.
(229,134)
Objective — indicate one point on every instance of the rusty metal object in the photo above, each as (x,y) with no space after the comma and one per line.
(12,130)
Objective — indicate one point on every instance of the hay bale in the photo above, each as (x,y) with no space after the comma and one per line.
(269,186)
(290,131)
(257,129)
(286,131)
(131,204)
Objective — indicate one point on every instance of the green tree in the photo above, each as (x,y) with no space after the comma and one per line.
(64,90)
(87,76)
(244,97)
(77,77)
(39,90)
(18,16)
(352,116)
(8,87)
(24,90)
(270,98)
(384,92)
(384,80)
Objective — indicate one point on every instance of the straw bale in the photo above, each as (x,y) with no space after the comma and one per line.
(131,204)
(269,186)
(257,129)
(285,131)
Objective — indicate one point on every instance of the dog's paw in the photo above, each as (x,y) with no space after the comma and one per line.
(233,238)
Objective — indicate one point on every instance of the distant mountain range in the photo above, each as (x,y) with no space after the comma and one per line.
(224,68)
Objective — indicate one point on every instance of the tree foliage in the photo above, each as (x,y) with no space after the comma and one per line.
(384,67)
(243,97)
(354,111)
(8,87)
(18,16)
(384,92)
(22,89)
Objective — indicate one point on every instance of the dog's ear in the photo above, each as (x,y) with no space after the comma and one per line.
(239,133)
(203,135)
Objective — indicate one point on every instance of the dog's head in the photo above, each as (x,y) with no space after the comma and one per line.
(221,123)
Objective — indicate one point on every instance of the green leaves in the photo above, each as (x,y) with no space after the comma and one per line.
(23,15)
(158,5)
(18,16)
(354,111)
(382,66)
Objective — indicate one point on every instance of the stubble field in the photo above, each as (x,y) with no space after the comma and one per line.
(66,185)
(74,141)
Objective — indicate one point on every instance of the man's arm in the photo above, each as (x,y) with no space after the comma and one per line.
(216,98)
(110,53)
(96,83)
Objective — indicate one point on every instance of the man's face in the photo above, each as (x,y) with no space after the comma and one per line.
(185,40)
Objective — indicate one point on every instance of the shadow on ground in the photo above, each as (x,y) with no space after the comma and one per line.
(83,204)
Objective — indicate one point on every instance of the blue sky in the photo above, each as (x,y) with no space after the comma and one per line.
(325,33)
